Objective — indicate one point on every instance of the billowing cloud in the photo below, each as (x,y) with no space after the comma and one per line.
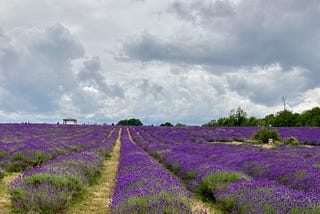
(94,92)
(36,68)
(37,73)
(247,33)
(263,50)
(180,61)
(263,88)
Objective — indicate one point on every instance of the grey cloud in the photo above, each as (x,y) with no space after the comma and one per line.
(86,101)
(37,68)
(147,87)
(248,33)
(150,48)
(90,69)
(267,85)
(7,56)
(202,11)
(182,11)
(183,60)
(92,76)
(59,44)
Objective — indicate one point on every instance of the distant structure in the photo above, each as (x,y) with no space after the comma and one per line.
(66,120)
(284,103)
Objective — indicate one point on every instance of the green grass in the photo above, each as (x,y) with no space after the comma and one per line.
(5,205)
(214,182)
(28,159)
(317,166)
(2,154)
(42,201)
(141,204)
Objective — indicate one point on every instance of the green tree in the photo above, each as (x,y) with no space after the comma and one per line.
(130,122)
(225,121)
(285,118)
(238,117)
(253,121)
(310,117)
(269,120)
(166,124)
(265,134)
(211,123)
(180,124)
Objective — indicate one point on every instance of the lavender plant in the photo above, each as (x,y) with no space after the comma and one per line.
(279,180)
(51,187)
(144,186)
(265,196)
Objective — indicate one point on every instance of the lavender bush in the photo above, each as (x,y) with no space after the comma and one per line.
(144,186)
(265,196)
(283,179)
(24,147)
(52,186)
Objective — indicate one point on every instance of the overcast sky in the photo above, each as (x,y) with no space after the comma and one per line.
(187,61)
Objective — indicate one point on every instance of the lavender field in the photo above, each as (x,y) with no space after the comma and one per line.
(160,169)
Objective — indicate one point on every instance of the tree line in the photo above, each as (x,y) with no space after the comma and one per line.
(285,118)
(238,117)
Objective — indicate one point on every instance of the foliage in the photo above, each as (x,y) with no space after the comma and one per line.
(3,154)
(175,203)
(264,135)
(166,124)
(27,159)
(310,118)
(43,201)
(2,173)
(238,117)
(213,182)
(180,124)
(285,118)
(291,141)
(130,122)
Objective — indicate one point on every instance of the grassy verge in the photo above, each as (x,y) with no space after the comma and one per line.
(5,202)
(98,197)
(199,206)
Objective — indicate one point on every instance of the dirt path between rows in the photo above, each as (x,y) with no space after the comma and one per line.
(266,146)
(98,198)
(5,202)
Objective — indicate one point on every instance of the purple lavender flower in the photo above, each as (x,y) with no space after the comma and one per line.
(144,186)
(50,187)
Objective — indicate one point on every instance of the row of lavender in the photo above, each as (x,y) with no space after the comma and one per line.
(306,135)
(144,186)
(304,160)
(23,147)
(241,178)
(50,186)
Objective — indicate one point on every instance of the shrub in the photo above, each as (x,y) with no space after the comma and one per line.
(25,160)
(265,134)
(291,141)
(166,124)
(174,203)
(130,122)
(2,154)
(2,173)
(211,183)
(45,193)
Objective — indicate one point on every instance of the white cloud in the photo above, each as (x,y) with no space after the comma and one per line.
(37,68)
(266,85)
(309,100)
(179,61)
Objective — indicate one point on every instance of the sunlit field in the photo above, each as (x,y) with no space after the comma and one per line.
(61,168)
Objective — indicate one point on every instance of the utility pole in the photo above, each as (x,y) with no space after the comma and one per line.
(284,103)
